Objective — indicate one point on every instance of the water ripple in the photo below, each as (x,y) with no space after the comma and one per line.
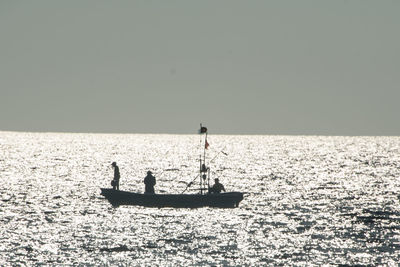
(309,201)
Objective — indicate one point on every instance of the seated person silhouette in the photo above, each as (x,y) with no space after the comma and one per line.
(217,187)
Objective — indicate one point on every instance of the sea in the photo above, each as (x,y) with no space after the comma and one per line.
(308,200)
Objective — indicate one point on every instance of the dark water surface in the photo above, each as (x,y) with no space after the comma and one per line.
(310,201)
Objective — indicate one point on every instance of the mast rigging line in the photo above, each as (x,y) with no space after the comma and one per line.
(191,182)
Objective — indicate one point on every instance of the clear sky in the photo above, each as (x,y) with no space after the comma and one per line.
(240,67)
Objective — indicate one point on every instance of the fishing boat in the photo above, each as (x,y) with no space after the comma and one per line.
(221,200)
(204,198)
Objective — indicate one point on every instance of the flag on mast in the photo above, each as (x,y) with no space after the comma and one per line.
(206,145)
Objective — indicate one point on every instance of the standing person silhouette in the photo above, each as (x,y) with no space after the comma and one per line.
(115,182)
(150,182)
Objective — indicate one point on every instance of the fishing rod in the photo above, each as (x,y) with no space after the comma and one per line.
(222,151)
(170,169)
(159,175)
(173,169)
(201,130)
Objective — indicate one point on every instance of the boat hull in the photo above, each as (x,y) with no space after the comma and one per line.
(222,200)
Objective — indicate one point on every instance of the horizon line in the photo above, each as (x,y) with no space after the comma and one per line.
(194,133)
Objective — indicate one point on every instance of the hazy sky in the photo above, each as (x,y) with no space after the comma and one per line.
(240,67)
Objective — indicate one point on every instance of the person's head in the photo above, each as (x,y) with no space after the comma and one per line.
(216,180)
(149,172)
(114,164)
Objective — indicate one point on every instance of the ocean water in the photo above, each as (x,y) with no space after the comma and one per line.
(309,201)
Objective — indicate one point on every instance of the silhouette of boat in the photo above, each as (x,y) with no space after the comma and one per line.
(221,200)
(203,199)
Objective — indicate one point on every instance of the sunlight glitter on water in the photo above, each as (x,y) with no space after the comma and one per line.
(309,200)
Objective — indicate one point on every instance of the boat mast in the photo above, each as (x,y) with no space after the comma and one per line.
(200,131)
(203,167)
